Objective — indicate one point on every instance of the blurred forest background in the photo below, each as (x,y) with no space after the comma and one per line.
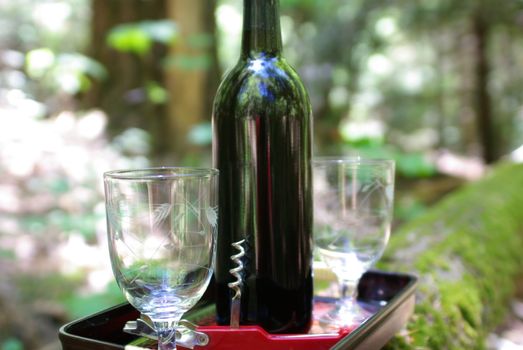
(92,85)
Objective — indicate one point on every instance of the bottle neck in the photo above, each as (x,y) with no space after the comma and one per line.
(261,28)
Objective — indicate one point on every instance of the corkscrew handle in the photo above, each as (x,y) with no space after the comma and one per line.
(236,285)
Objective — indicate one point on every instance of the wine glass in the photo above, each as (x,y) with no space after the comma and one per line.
(353,201)
(162,232)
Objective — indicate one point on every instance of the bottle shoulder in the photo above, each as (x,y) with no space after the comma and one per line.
(266,78)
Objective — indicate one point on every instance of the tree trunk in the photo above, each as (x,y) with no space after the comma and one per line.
(123,94)
(192,72)
(466,252)
(482,98)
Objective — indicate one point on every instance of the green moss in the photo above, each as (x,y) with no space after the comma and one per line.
(466,251)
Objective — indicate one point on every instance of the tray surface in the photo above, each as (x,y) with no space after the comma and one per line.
(392,294)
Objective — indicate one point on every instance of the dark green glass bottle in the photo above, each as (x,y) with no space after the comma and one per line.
(262,147)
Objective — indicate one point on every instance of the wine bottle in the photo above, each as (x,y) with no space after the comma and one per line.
(262,147)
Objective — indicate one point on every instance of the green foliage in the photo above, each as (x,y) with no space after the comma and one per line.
(406,64)
(189,62)
(414,165)
(156,93)
(58,186)
(66,222)
(408,209)
(466,251)
(7,254)
(41,45)
(68,72)
(200,41)
(34,23)
(133,141)
(38,61)
(301,5)
(297,3)
(200,134)
(130,38)
(321,284)
(81,223)
(82,305)
(33,223)
(45,286)
(139,37)
(410,165)
(12,344)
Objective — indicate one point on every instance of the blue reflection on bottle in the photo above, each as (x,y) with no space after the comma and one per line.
(266,68)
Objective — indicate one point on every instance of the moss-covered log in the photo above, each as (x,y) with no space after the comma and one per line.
(467,252)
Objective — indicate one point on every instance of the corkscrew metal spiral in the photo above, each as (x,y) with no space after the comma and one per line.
(236,285)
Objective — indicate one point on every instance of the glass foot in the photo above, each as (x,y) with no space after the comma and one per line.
(346,315)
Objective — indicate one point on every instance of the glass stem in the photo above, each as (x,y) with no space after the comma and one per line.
(166,332)
(348,290)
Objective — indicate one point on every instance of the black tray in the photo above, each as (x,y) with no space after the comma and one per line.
(103,330)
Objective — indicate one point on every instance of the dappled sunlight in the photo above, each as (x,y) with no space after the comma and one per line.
(84,90)
(229,20)
(76,255)
(517,154)
(459,166)
(379,64)
(354,130)
(52,213)
(53,15)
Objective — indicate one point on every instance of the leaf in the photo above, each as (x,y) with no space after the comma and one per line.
(156,93)
(415,165)
(129,38)
(200,134)
(138,37)
(12,344)
(82,64)
(59,186)
(7,254)
(189,62)
(163,31)
(79,305)
(200,41)
(39,61)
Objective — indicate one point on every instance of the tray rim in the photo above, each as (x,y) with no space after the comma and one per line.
(354,338)
(62,332)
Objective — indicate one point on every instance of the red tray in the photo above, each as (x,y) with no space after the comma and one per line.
(391,293)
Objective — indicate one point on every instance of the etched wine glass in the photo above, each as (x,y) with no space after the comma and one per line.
(353,202)
(162,232)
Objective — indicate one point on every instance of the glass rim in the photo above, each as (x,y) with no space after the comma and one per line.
(159,173)
(352,160)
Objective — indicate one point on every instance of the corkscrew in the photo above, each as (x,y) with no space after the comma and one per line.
(236,285)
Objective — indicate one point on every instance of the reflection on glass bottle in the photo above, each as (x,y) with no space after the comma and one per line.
(262,147)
